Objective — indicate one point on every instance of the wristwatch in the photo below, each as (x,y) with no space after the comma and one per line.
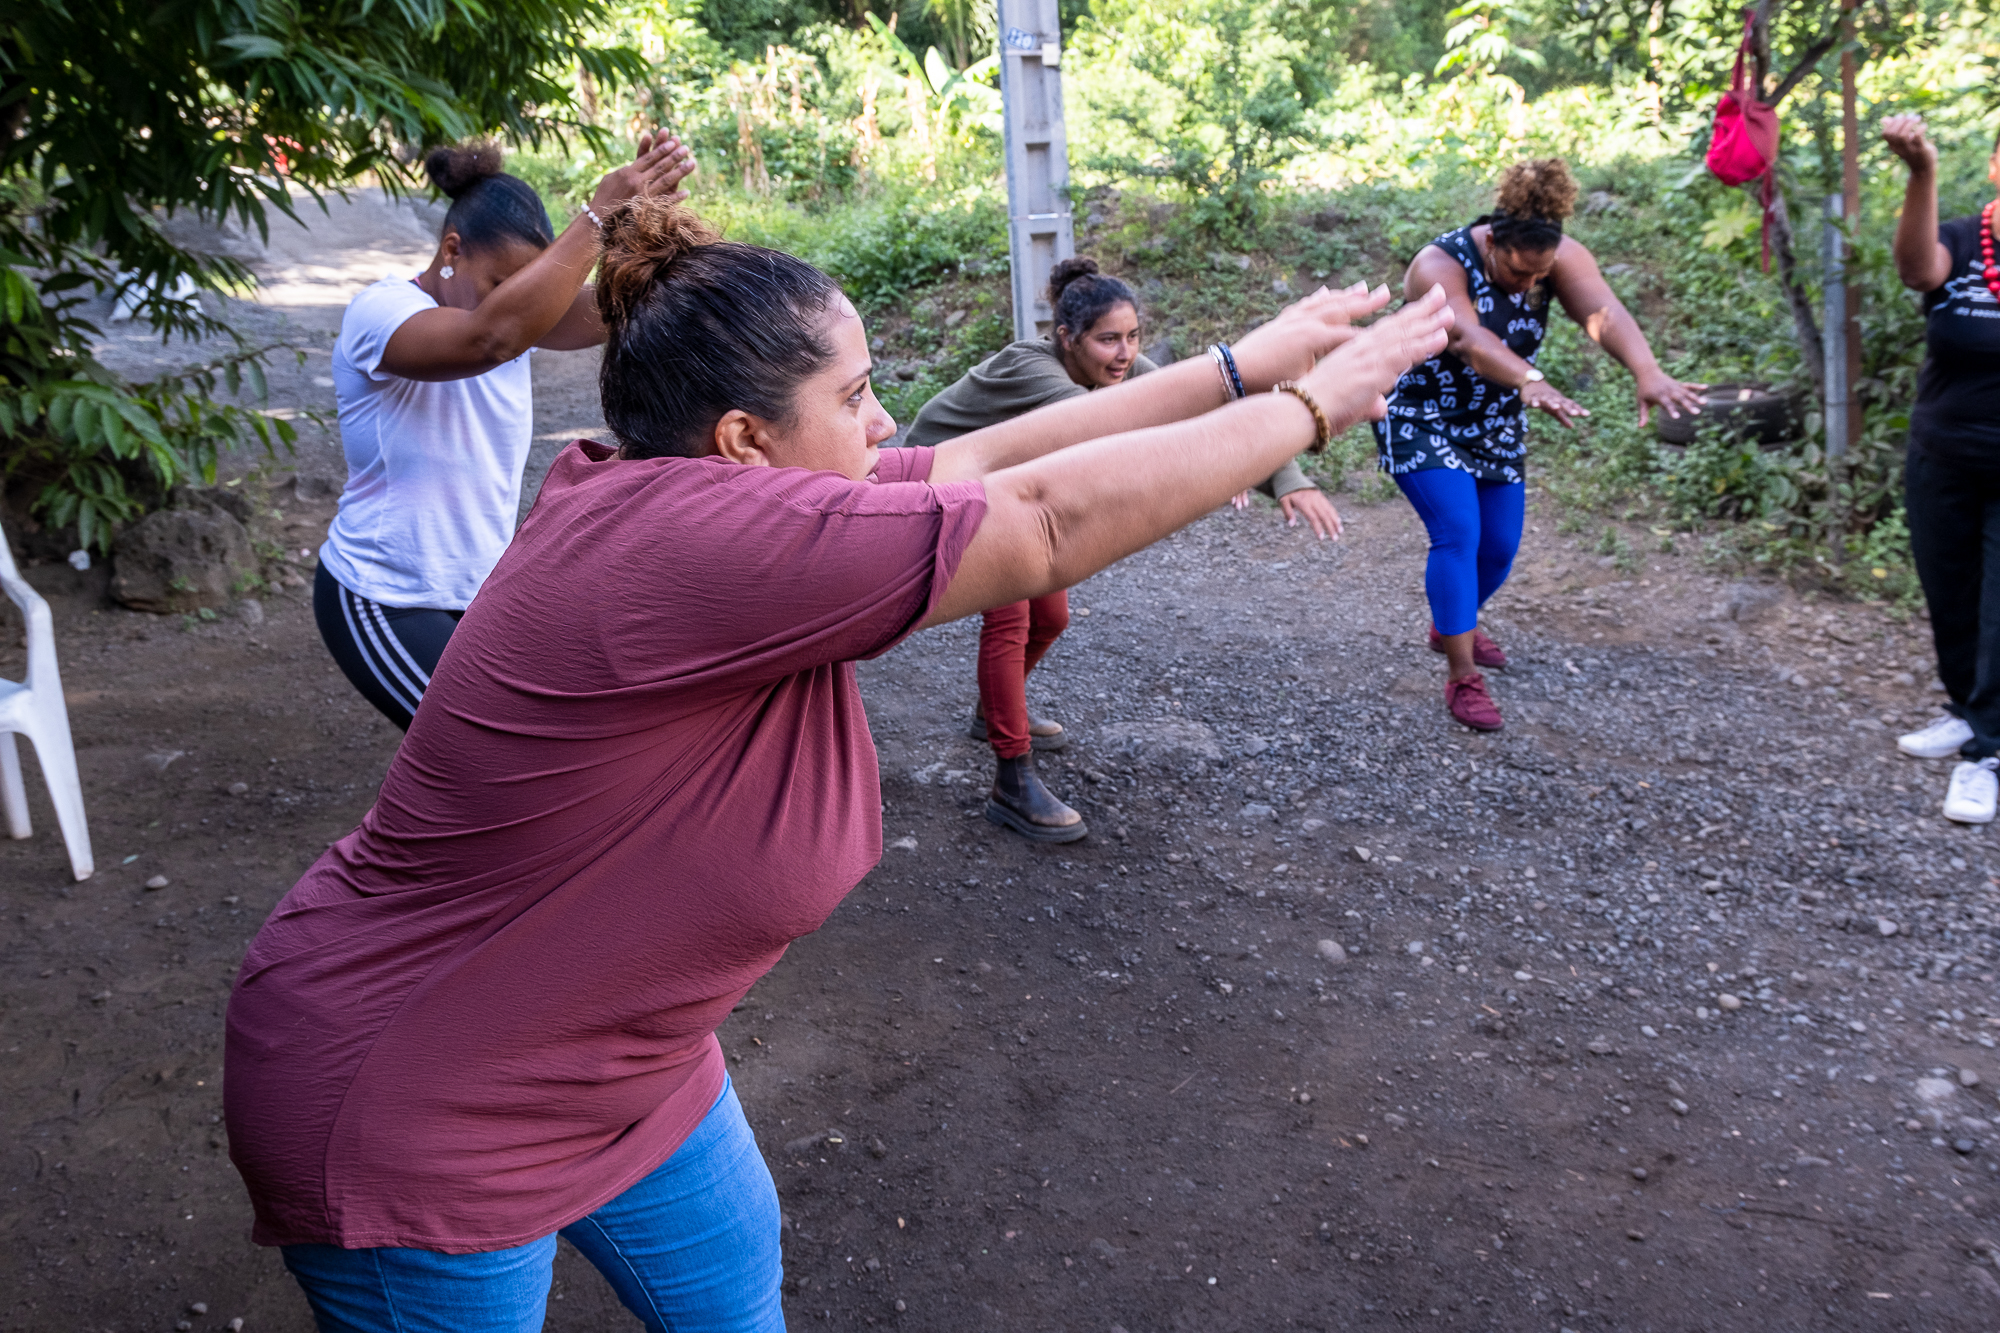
(1534,377)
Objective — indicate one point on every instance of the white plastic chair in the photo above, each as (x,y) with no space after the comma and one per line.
(35,709)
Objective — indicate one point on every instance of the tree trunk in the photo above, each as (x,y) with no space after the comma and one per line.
(1811,348)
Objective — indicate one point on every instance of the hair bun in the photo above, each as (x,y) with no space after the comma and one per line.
(1067,271)
(642,237)
(456,170)
(1542,189)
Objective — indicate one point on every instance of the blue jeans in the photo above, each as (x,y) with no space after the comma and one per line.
(1475,529)
(692,1248)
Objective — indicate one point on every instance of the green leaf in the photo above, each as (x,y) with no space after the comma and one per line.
(254,46)
(112,423)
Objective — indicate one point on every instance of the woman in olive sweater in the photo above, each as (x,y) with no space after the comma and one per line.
(1095,345)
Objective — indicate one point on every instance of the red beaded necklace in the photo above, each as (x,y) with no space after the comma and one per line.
(1992,271)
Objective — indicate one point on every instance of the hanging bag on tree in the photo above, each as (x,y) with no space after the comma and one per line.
(1745,145)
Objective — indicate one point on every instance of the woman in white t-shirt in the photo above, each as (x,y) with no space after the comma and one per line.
(437,411)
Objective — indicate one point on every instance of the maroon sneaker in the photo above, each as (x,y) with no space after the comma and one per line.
(1485,652)
(1469,702)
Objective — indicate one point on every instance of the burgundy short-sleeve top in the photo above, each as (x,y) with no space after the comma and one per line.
(640,771)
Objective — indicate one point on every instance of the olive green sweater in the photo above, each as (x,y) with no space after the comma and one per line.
(1019,378)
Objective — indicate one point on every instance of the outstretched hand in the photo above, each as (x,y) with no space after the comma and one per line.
(1546,397)
(659,164)
(1351,384)
(1312,505)
(1285,347)
(1670,395)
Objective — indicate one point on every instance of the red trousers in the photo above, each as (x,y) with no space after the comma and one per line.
(1011,641)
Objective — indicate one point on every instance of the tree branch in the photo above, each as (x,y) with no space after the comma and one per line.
(1812,57)
(1812,349)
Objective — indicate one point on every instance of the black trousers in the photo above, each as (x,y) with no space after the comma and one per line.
(387,652)
(1954,515)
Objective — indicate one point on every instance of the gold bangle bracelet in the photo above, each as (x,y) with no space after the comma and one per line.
(1322,428)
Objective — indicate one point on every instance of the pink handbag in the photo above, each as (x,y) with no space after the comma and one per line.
(1745,145)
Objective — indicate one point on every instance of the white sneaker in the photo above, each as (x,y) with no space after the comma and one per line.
(1940,740)
(1973,793)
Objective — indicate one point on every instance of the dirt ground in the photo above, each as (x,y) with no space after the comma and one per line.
(1670,1007)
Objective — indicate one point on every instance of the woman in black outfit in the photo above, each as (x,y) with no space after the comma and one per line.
(1952,476)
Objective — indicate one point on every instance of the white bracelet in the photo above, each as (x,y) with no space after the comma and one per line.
(595,220)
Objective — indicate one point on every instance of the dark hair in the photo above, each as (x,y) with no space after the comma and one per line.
(1530,205)
(488,207)
(1082,296)
(697,326)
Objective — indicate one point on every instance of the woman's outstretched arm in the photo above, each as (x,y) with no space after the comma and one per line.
(1283,348)
(1054,521)
(1588,299)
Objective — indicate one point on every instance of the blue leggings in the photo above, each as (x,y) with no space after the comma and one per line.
(692,1248)
(1475,529)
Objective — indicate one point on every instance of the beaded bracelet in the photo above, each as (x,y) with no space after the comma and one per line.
(1225,362)
(595,220)
(1322,428)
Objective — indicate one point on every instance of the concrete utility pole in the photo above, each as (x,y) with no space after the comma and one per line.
(1843,299)
(1039,231)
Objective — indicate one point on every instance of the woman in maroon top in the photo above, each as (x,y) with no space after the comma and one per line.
(642,769)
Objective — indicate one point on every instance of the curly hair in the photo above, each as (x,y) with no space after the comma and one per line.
(696,326)
(1082,295)
(1531,203)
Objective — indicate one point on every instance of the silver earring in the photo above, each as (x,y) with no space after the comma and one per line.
(445,272)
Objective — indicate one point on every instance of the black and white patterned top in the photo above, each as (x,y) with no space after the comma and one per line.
(1445,414)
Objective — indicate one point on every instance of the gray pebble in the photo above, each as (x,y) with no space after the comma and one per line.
(1332,952)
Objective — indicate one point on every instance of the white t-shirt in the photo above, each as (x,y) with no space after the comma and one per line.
(433,469)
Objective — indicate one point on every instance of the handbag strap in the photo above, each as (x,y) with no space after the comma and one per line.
(1737,83)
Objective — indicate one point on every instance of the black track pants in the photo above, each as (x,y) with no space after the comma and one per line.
(388,652)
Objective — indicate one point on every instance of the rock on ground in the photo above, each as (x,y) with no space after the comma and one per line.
(193,555)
